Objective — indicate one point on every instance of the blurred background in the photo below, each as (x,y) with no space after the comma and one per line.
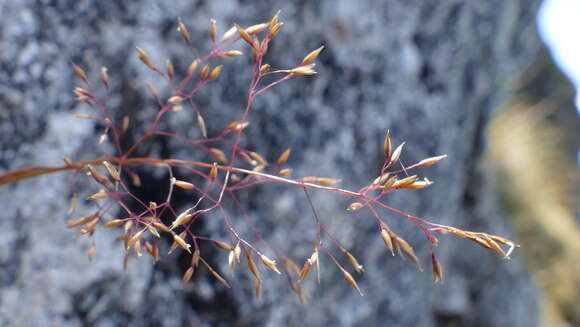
(472,80)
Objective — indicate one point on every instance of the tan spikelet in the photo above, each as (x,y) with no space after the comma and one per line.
(145,58)
(183,31)
(353,261)
(218,155)
(72,223)
(187,276)
(397,153)
(192,67)
(216,275)
(181,219)
(311,56)
(181,243)
(387,145)
(113,172)
(215,72)
(204,72)
(104,74)
(251,265)
(201,125)
(161,227)
(245,36)
(169,68)
(256,156)
(256,29)
(80,73)
(213,172)
(212,29)
(348,277)
(231,54)
(195,258)
(264,68)
(436,269)
(72,203)
(101,194)
(232,260)
(283,157)
(305,270)
(269,263)
(153,230)
(153,91)
(257,289)
(229,33)
(124,125)
(114,223)
(354,206)
(408,251)
(222,245)
(91,252)
(136,237)
(274,30)
(184,185)
(303,70)
(176,99)
(285,172)
(430,161)
(291,265)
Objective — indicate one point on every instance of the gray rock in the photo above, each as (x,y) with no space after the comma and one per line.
(430,71)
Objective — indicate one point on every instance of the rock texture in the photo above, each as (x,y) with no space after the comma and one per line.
(430,71)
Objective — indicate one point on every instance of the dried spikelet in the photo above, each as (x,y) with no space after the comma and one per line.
(182,218)
(234,178)
(83,116)
(149,249)
(183,31)
(348,277)
(285,172)
(213,172)
(176,99)
(397,153)
(169,68)
(259,168)
(303,70)
(195,258)
(212,29)
(321,180)
(91,252)
(79,91)
(137,249)
(145,58)
(80,73)
(101,194)
(256,29)
(436,269)
(264,46)
(430,161)
(274,29)
(94,174)
(104,73)
(89,228)
(494,246)
(204,72)
(298,291)
(113,172)
(232,260)
(218,155)
(124,125)
(161,227)
(128,225)
(181,243)
(152,205)
(354,206)
(192,67)
(215,72)
(67,161)
(480,241)
(291,265)
(419,184)
(153,91)
(387,240)
(103,138)
(283,157)
(314,258)
(114,223)
(251,265)
(238,251)
(153,230)
(387,145)
(245,36)
(187,276)
(311,56)
(201,125)
(257,289)
(269,263)
(237,125)
(184,185)
(258,158)
(229,33)
(402,183)
(353,261)
(72,204)
(264,68)
(72,223)
(125,262)
(136,237)
(231,54)
(305,270)
(275,19)
(408,251)
(222,245)
(247,158)
(216,275)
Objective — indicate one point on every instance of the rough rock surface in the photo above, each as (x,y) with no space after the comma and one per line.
(430,71)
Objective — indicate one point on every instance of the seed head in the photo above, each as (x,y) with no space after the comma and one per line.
(311,56)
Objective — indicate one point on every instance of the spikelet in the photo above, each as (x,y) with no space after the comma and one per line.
(387,146)
(350,280)
(251,265)
(80,73)
(229,33)
(353,261)
(192,67)
(245,36)
(256,29)
(285,172)
(204,72)
(218,155)
(311,56)
(215,72)
(124,125)
(212,30)
(145,58)
(72,204)
(397,153)
(430,161)
(283,157)
(269,263)
(213,172)
(222,245)
(169,68)
(387,240)
(183,31)
(187,276)
(436,269)
(184,185)
(114,223)
(407,251)
(216,275)
(354,206)
(72,223)
(104,74)
(201,125)
(181,243)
